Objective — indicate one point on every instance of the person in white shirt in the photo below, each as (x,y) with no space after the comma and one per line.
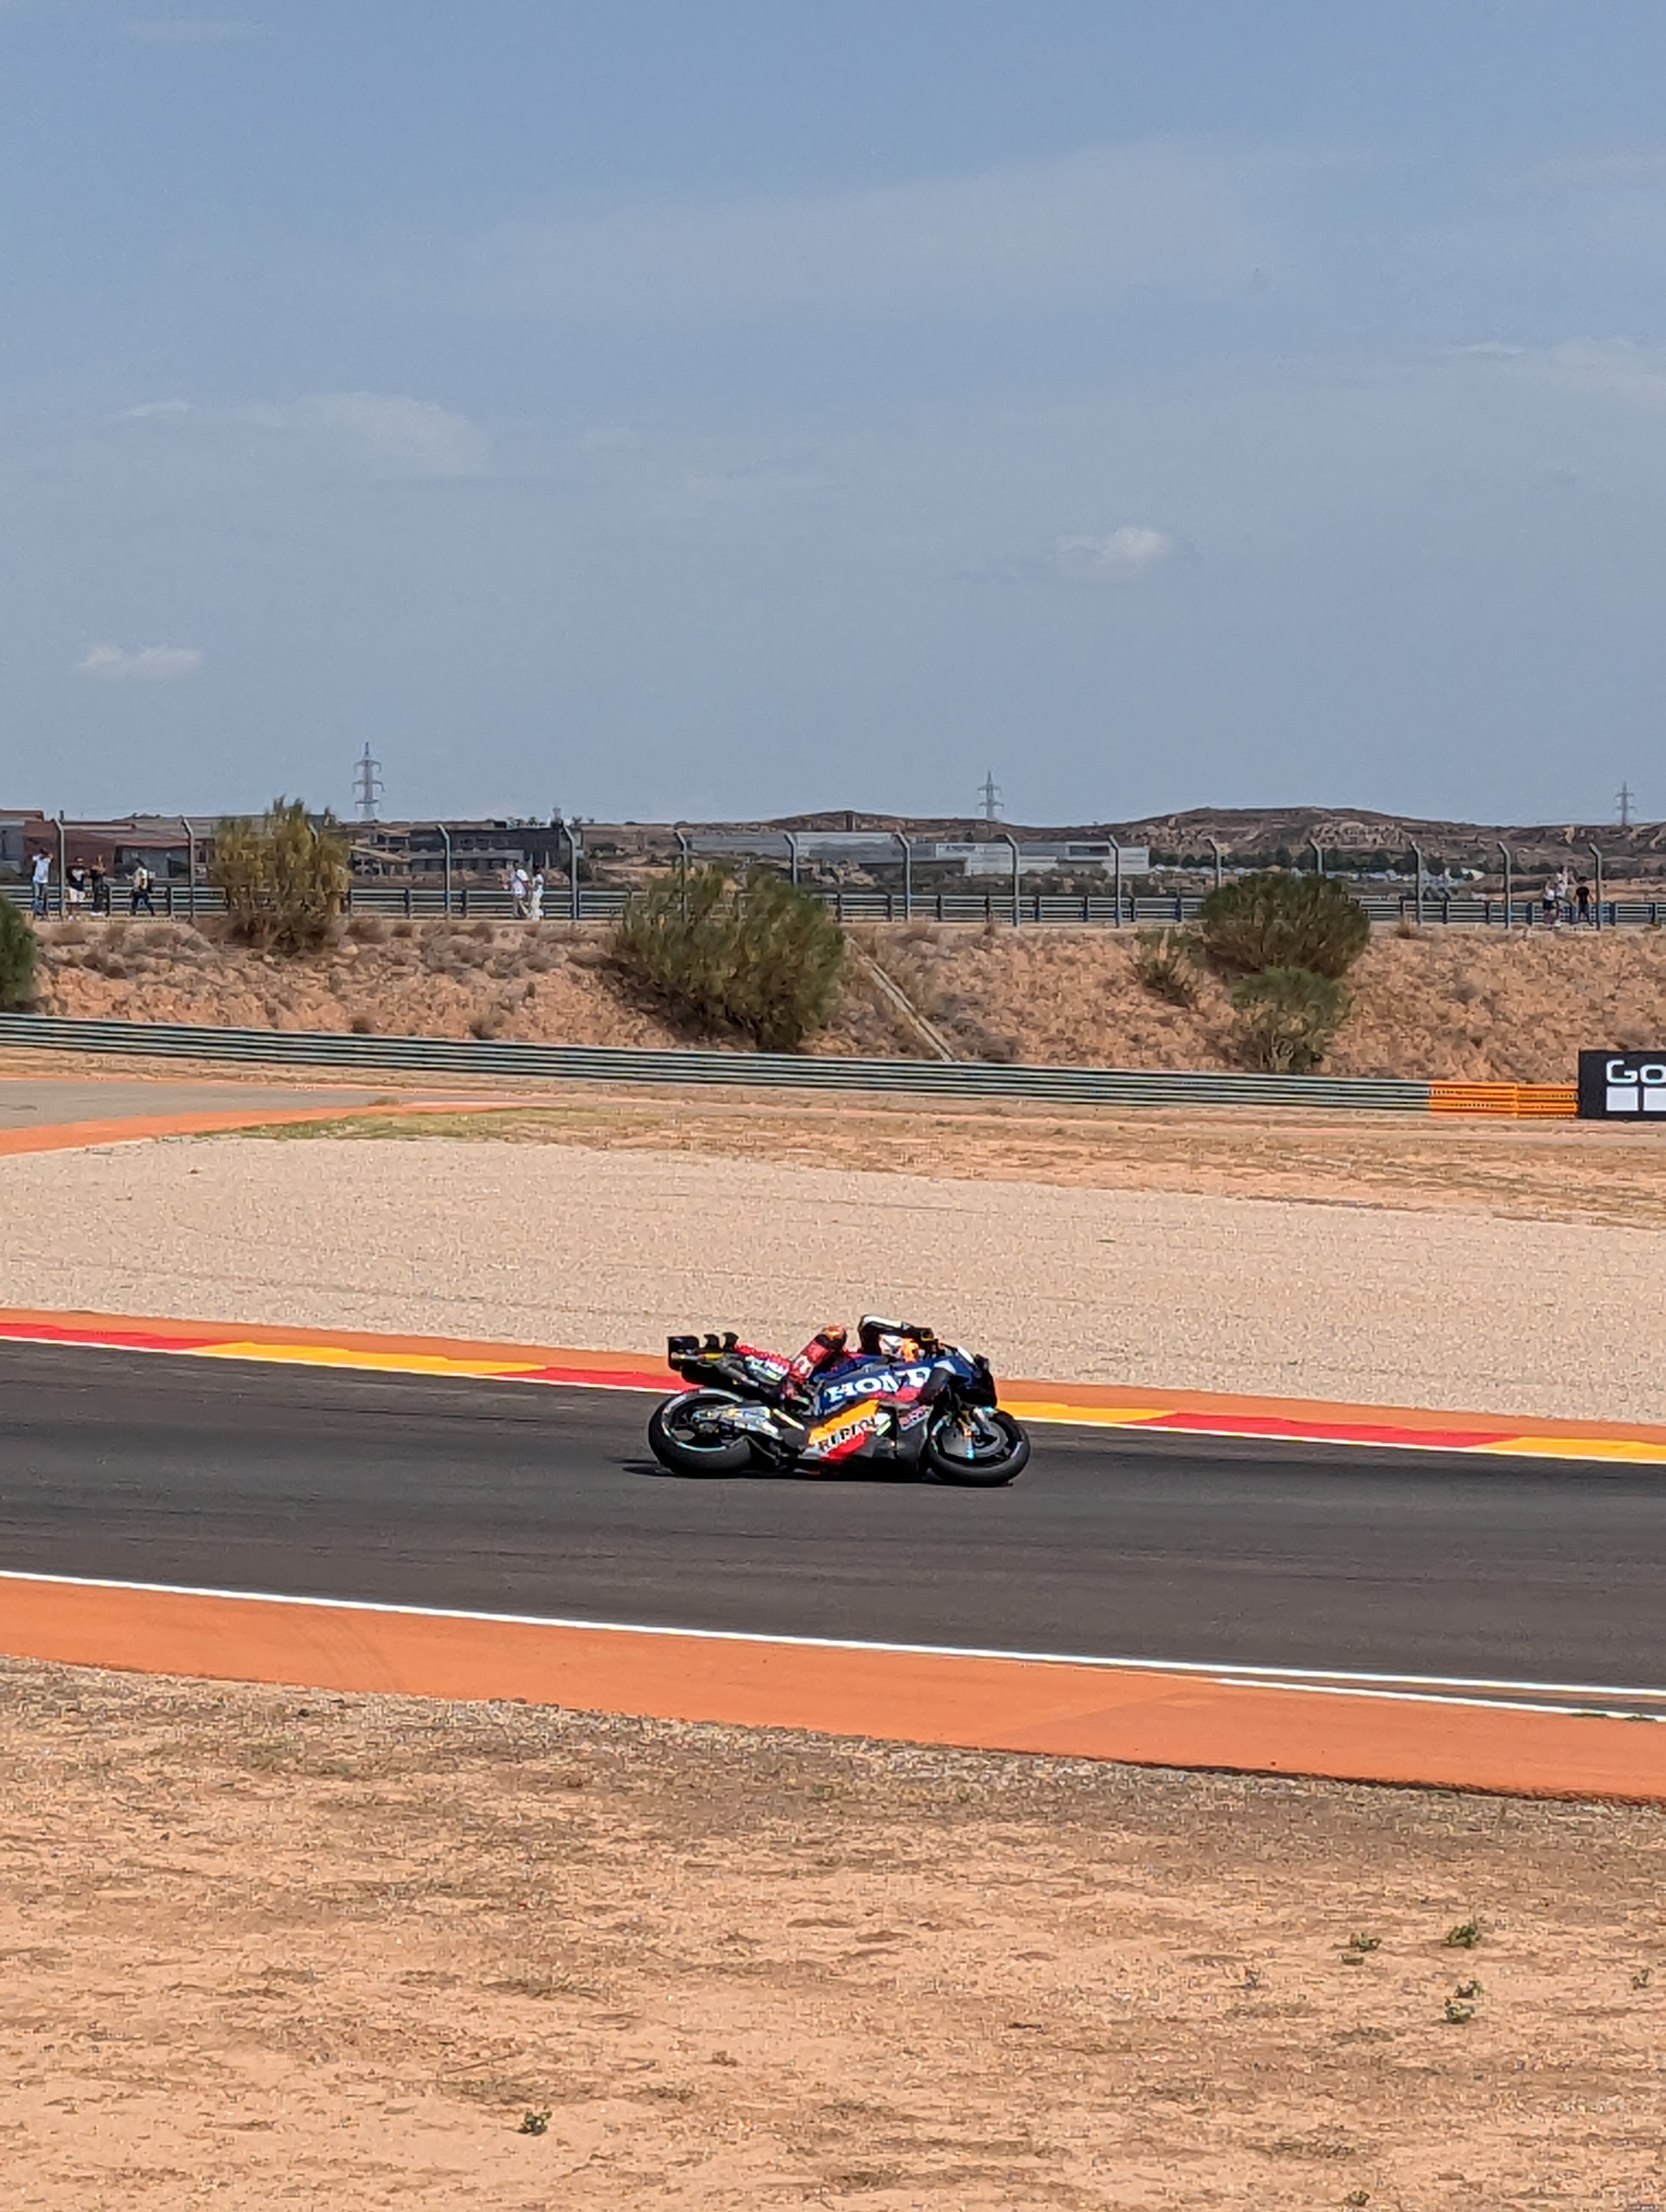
(40,878)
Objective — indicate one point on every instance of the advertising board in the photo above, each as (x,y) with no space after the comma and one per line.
(1623,1087)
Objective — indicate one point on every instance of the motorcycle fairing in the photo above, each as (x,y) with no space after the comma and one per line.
(849,1435)
(872,1378)
(871,1409)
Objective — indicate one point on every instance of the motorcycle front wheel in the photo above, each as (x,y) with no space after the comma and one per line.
(979,1447)
(680,1440)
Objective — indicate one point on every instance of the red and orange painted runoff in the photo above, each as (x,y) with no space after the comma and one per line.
(1147,1714)
(1096,1405)
(1492,1736)
(220,1121)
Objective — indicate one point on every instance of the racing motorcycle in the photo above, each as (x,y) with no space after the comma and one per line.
(934,1415)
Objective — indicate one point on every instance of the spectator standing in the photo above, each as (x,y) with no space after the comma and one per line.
(1552,905)
(535,895)
(40,882)
(1582,901)
(76,887)
(138,895)
(99,886)
(519,891)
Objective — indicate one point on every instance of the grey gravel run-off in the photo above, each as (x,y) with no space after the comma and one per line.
(555,1244)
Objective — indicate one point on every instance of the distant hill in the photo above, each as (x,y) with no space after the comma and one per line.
(1359,835)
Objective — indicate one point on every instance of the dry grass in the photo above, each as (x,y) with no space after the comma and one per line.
(384,977)
(263,1946)
(1457,1004)
(1538,1171)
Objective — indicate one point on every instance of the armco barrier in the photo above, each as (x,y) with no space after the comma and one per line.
(610,1064)
(1539,1100)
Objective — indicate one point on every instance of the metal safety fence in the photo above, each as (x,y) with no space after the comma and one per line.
(443,1056)
(598,903)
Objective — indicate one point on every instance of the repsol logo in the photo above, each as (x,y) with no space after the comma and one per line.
(830,1439)
(1615,1083)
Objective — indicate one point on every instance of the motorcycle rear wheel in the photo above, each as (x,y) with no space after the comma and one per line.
(676,1442)
(969,1458)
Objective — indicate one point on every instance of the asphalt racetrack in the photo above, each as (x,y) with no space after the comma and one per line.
(505,1498)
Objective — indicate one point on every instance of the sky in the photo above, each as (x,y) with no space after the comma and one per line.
(727,409)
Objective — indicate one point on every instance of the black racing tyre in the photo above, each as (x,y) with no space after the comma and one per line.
(676,1442)
(961,1449)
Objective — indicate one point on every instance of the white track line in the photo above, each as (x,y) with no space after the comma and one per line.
(1337,1681)
(1446,1698)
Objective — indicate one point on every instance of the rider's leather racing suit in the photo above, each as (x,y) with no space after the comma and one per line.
(829,1350)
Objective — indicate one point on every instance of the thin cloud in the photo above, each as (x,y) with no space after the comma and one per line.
(1172,214)
(1120,557)
(1642,169)
(149,664)
(185,31)
(1123,556)
(1606,369)
(400,435)
(726,486)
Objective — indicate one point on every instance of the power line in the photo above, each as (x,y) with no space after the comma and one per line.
(367,782)
(989,792)
(1623,800)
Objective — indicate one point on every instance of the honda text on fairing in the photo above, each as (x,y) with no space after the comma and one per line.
(903,1400)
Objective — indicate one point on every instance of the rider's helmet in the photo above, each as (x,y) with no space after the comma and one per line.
(893,1340)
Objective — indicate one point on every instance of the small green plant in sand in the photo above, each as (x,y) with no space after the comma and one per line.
(1165,965)
(1288,1019)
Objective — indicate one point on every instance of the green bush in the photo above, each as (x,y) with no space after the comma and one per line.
(759,957)
(1165,965)
(1277,920)
(17,952)
(284,877)
(1287,1018)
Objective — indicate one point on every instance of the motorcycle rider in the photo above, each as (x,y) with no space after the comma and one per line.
(828,1354)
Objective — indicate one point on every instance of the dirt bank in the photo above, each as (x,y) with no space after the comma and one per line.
(262,1946)
(1457,1004)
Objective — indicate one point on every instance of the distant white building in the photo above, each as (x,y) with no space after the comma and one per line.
(992,857)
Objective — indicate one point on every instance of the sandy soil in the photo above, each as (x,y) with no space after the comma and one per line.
(1506,1168)
(1458,1004)
(551,985)
(1455,1005)
(562,1243)
(264,1948)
